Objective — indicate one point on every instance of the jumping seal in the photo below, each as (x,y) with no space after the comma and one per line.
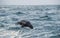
(25,23)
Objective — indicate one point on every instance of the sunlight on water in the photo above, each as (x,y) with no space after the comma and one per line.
(9,34)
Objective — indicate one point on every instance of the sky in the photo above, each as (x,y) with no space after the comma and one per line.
(29,2)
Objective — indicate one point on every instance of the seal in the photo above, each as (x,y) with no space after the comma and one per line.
(25,23)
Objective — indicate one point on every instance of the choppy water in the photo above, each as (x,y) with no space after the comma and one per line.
(44,18)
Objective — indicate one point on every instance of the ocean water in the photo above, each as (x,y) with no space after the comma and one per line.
(44,18)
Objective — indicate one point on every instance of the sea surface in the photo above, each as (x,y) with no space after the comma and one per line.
(44,18)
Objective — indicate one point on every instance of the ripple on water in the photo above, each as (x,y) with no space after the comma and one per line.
(14,28)
(1,15)
(56,36)
(19,13)
(14,19)
(2,26)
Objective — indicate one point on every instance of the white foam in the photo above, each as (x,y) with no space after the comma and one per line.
(12,34)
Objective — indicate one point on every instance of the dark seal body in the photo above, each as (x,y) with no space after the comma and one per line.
(25,23)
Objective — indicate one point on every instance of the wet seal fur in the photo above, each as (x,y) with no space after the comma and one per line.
(25,23)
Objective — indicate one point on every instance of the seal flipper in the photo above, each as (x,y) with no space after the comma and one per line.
(31,27)
(22,26)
